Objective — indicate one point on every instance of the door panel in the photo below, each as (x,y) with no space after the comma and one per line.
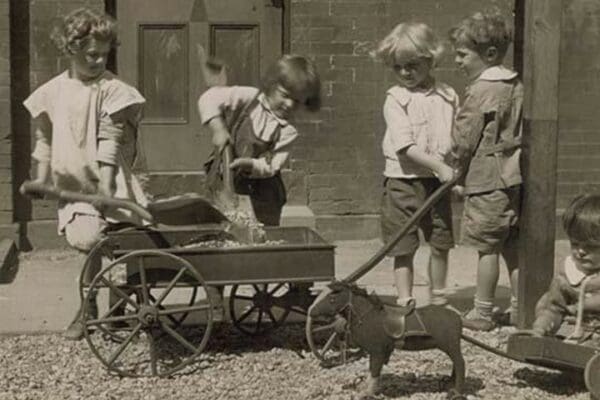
(164,45)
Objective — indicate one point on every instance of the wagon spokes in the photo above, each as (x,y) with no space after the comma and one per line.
(330,340)
(181,312)
(170,286)
(124,345)
(119,292)
(178,337)
(144,282)
(257,309)
(153,355)
(111,320)
(155,326)
(247,313)
(276,288)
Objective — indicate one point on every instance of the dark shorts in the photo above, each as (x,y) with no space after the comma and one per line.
(490,220)
(268,195)
(401,199)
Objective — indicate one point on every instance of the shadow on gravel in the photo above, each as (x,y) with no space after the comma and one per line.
(555,382)
(408,384)
(226,339)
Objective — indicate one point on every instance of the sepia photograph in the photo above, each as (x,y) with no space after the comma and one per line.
(299,199)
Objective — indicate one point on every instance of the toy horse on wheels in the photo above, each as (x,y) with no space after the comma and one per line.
(357,318)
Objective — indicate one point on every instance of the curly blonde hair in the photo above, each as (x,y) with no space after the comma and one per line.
(79,26)
(409,40)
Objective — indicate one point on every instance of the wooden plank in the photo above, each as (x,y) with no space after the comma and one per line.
(541,51)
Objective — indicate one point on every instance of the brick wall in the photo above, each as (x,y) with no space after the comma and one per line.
(340,148)
(579,97)
(339,151)
(6,159)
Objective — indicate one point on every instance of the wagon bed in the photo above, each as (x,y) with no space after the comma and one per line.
(302,256)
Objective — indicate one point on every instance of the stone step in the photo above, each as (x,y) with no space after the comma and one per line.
(298,215)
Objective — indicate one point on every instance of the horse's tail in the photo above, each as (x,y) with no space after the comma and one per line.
(489,348)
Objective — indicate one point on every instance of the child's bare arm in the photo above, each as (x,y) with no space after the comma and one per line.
(444,172)
(43,136)
(213,105)
(108,184)
(263,167)
(220,134)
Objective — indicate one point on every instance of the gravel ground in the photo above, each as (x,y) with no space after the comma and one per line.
(278,366)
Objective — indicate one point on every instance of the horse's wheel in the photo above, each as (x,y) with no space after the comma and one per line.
(147,334)
(329,340)
(260,308)
(592,376)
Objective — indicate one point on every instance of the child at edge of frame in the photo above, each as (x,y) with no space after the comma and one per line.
(419,113)
(487,149)
(256,122)
(581,223)
(85,138)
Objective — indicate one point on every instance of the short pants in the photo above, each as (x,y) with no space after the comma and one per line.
(401,199)
(84,231)
(490,220)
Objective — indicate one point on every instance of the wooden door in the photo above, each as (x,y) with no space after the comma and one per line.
(163,45)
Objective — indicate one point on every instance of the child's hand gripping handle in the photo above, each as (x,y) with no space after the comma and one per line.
(227,158)
(36,189)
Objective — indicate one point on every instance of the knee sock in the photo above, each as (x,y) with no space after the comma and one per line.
(482,309)
(438,297)
(405,301)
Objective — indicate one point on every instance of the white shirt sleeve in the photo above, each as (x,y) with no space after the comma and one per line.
(288,135)
(398,125)
(216,100)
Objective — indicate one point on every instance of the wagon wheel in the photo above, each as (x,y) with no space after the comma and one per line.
(260,308)
(152,341)
(177,321)
(101,250)
(330,341)
(592,376)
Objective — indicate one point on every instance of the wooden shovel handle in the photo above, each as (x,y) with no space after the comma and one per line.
(29,188)
(227,159)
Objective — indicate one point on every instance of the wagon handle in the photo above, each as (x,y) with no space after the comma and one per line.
(373,261)
(29,188)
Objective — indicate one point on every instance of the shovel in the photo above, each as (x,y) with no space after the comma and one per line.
(190,209)
(29,188)
(236,207)
(237,203)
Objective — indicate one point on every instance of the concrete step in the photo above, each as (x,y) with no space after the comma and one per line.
(298,215)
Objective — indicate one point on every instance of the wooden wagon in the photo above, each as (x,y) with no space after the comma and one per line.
(161,315)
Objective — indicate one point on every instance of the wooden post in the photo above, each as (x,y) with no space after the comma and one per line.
(541,51)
